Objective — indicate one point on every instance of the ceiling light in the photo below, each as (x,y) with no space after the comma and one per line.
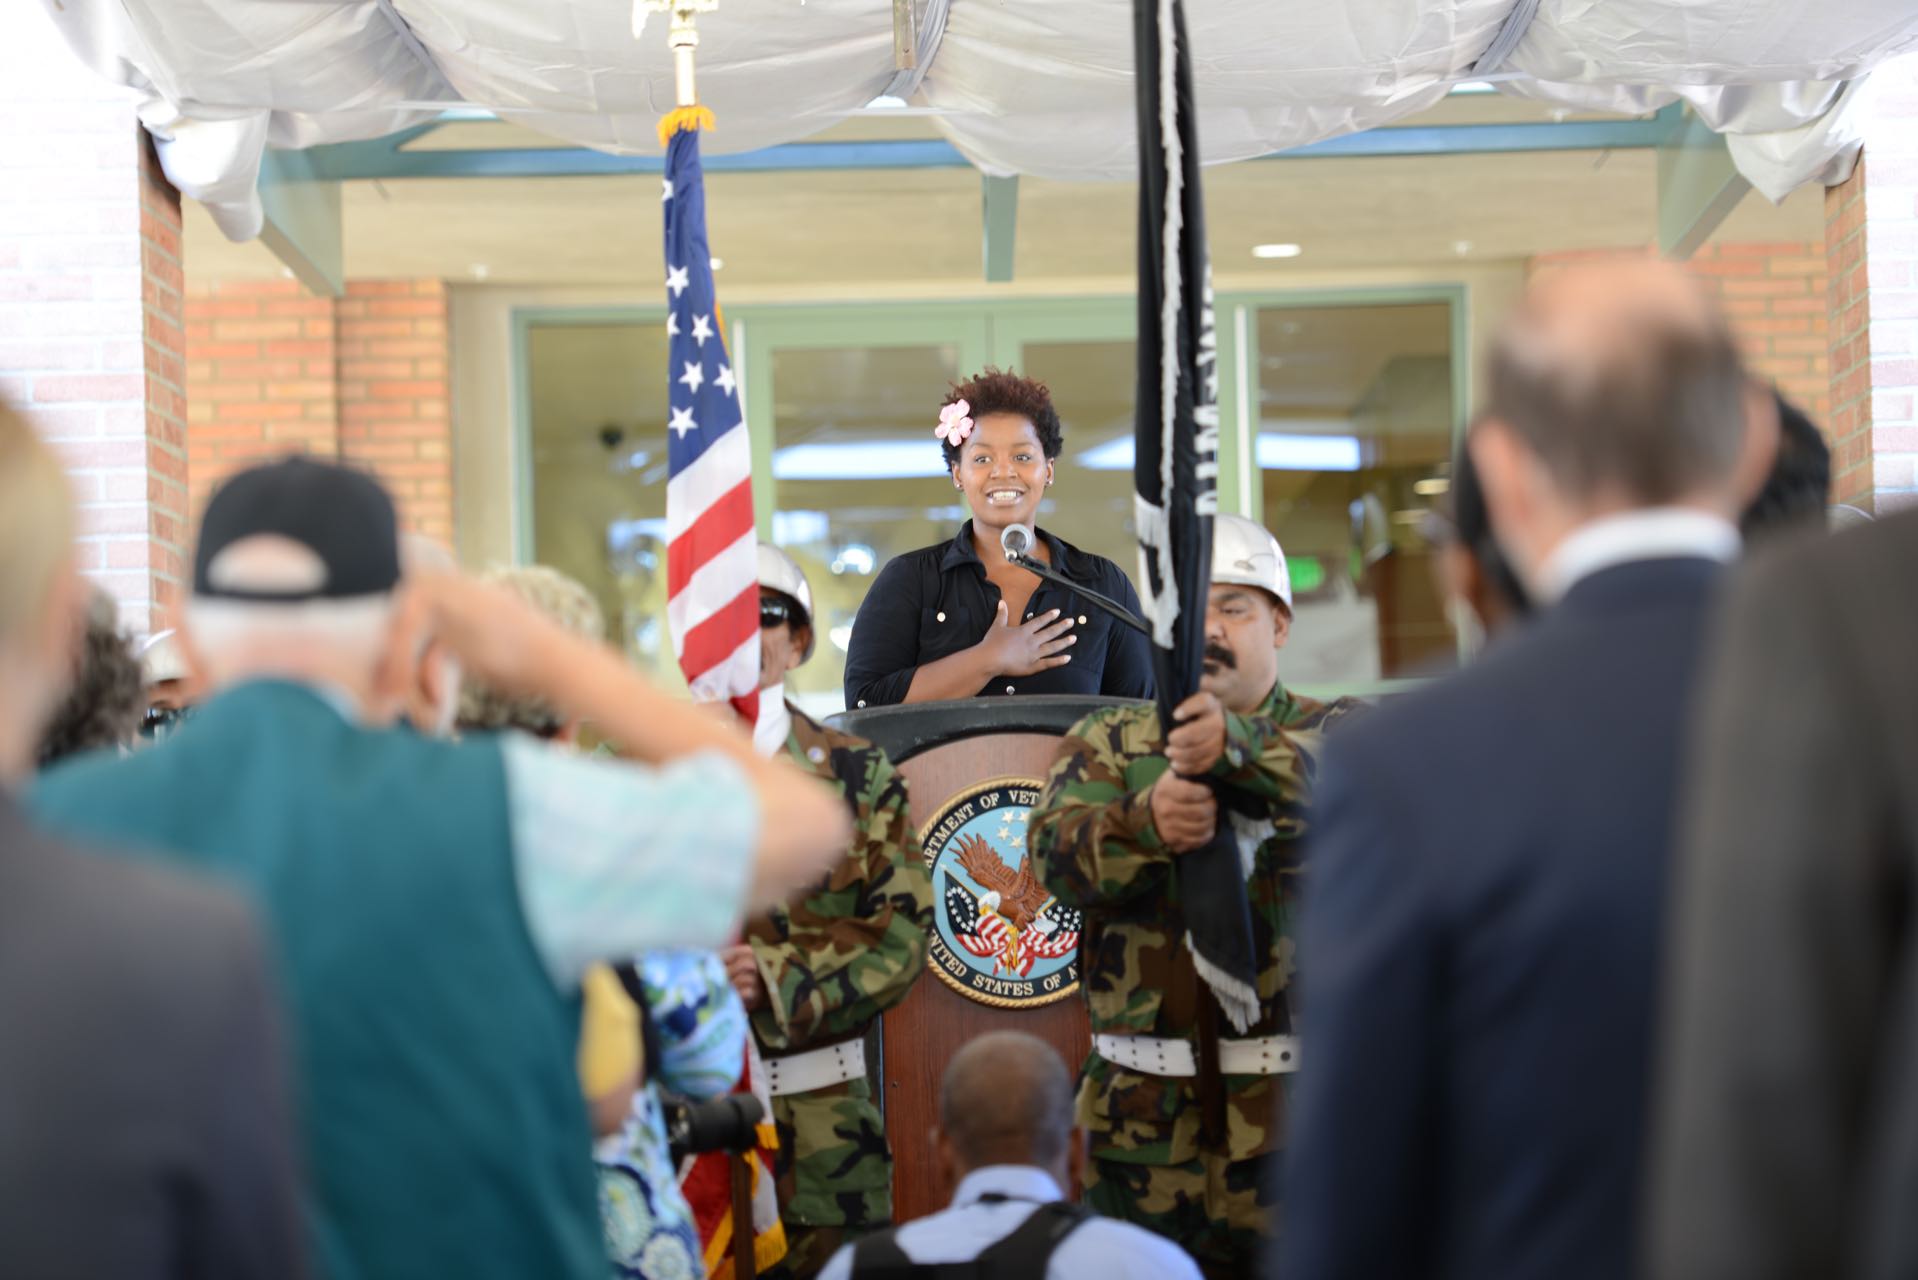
(1433,487)
(718,264)
(481,271)
(1461,247)
(859,460)
(1276,451)
(1286,452)
(1276,251)
(886,102)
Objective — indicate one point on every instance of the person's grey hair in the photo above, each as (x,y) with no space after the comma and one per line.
(1653,413)
(1007,1099)
(36,523)
(567,602)
(356,628)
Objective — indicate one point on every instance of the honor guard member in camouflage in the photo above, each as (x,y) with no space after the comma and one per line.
(1114,818)
(816,973)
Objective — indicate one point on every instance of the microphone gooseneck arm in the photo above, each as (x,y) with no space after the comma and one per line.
(1110,606)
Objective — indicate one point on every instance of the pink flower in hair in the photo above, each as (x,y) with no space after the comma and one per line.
(954,426)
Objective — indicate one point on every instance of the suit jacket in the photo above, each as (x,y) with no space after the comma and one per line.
(143,1123)
(1481,931)
(1788,1136)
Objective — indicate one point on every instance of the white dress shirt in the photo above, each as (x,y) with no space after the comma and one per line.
(775,723)
(1655,533)
(1099,1249)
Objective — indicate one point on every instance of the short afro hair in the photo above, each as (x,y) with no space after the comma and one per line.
(1798,490)
(108,697)
(1003,391)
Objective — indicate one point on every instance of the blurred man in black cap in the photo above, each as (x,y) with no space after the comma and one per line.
(143,1123)
(435,903)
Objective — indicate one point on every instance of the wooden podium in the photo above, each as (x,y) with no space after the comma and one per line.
(972,767)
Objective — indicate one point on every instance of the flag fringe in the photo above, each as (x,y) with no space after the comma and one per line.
(1238,1000)
(689,119)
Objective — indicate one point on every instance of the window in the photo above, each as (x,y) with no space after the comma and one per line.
(858,478)
(596,434)
(1356,417)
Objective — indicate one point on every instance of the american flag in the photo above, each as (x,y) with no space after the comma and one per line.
(712,574)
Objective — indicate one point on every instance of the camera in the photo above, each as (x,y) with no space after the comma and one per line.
(715,1124)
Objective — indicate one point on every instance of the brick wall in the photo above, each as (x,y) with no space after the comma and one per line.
(261,360)
(1871,237)
(395,395)
(1775,298)
(273,369)
(90,312)
(1774,295)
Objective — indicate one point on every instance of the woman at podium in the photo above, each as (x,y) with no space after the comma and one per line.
(959,619)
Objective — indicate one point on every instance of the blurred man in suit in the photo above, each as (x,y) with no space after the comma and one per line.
(1481,936)
(144,1130)
(1788,1134)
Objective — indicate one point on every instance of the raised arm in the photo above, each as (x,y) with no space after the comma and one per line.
(1093,838)
(802,825)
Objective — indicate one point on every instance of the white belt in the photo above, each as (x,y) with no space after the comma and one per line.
(1260,1056)
(816,1069)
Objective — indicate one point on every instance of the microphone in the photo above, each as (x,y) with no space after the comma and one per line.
(1016,540)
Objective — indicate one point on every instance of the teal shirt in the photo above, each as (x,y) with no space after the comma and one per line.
(433,1044)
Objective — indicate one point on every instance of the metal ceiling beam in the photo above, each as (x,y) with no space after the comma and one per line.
(1698,187)
(383,158)
(999,201)
(304,226)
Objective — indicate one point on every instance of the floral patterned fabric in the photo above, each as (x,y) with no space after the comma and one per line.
(702,1033)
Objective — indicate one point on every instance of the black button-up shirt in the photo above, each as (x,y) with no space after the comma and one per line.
(932,603)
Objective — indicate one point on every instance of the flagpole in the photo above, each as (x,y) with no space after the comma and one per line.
(682,38)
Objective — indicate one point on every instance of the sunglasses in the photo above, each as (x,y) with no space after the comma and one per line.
(774,612)
(160,721)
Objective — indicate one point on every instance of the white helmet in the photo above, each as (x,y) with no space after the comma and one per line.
(782,573)
(1243,552)
(161,659)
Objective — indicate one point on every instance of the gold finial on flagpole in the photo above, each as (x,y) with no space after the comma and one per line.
(683,38)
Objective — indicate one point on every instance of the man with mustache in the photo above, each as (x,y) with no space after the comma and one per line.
(1124,801)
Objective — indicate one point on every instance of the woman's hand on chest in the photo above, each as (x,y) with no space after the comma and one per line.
(1038,644)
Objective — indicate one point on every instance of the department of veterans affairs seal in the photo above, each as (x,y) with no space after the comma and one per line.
(998,937)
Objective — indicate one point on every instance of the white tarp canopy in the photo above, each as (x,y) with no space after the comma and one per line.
(1042,88)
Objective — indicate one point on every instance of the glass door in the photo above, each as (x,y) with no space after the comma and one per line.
(1357,407)
(1084,353)
(847,405)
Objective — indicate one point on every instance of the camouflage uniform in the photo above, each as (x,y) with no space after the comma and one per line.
(1095,847)
(833,959)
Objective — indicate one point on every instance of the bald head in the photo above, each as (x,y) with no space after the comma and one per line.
(1007,1099)
(1625,382)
